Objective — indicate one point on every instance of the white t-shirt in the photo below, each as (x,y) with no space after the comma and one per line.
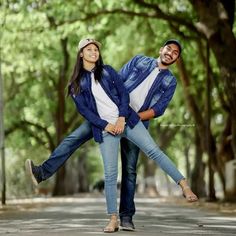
(139,94)
(106,108)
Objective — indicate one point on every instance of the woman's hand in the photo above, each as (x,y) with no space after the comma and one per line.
(110,128)
(120,125)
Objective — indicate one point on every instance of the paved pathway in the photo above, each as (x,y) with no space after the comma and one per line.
(85,216)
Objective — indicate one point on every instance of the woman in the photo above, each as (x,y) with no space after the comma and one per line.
(101,98)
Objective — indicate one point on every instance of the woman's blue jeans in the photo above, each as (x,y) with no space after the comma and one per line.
(110,148)
(129,158)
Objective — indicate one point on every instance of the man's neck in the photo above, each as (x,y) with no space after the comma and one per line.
(160,65)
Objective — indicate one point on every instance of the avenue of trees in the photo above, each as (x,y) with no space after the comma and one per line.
(38,49)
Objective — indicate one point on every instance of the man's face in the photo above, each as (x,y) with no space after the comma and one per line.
(169,54)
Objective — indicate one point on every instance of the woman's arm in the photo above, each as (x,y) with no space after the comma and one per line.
(89,115)
(124,102)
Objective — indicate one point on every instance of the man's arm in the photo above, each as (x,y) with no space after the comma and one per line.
(128,67)
(161,105)
(89,115)
(147,115)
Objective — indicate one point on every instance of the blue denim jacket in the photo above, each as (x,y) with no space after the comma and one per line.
(136,71)
(114,88)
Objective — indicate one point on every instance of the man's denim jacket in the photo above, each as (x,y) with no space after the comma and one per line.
(137,70)
(114,88)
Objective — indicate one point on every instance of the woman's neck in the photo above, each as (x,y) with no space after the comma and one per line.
(88,66)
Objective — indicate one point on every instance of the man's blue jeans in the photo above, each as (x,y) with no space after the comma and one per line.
(110,148)
(129,159)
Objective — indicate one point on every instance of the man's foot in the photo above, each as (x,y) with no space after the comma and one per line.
(189,195)
(126,223)
(33,171)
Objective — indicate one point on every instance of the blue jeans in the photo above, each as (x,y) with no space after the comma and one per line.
(129,158)
(65,149)
(109,149)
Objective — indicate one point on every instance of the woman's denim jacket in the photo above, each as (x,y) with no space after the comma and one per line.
(136,71)
(114,88)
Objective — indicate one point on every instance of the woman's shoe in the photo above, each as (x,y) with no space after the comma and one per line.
(112,226)
(189,195)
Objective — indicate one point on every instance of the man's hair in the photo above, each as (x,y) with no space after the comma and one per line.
(174,41)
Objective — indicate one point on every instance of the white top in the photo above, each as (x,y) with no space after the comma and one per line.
(139,94)
(106,108)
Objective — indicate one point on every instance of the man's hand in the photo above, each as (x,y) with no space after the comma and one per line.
(110,128)
(146,115)
(120,125)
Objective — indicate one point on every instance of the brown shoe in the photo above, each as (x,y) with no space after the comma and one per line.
(112,226)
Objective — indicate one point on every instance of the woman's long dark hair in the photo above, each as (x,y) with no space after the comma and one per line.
(74,82)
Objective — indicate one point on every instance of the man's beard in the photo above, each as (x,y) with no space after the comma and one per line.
(166,63)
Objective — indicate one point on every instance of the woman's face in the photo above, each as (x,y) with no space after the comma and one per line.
(90,53)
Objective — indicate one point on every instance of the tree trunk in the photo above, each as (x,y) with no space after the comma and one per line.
(2,142)
(82,172)
(207,140)
(215,23)
(197,178)
(149,177)
(60,188)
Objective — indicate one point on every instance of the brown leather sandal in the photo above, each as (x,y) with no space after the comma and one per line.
(112,226)
(189,195)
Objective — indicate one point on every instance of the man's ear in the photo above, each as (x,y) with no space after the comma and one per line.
(161,49)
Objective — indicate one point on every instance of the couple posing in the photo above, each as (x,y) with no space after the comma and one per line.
(117,108)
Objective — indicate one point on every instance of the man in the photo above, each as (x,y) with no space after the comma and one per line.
(144,76)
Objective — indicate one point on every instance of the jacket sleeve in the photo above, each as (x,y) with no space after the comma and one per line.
(160,106)
(122,92)
(128,67)
(87,113)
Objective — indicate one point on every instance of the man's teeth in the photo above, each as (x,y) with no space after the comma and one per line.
(168,57)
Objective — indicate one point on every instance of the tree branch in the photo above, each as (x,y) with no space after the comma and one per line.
(25,124)
(170,18)
(214,78)
(156,14)
(175,29)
